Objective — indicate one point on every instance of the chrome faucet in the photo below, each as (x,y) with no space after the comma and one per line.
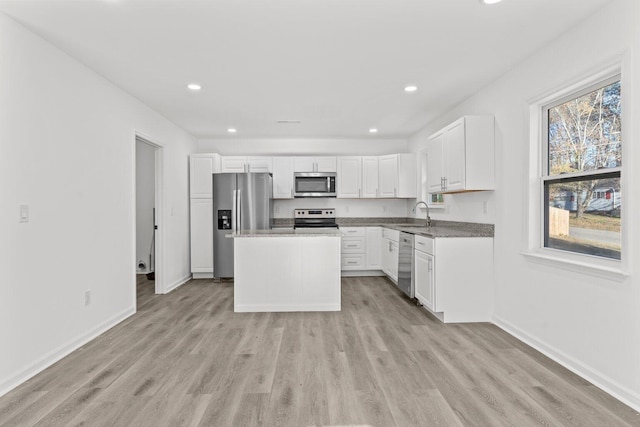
(426,206)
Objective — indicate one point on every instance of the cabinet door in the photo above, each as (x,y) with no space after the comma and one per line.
(201,167)
(369,177)
(202,235)
(326,164)
(394,254)
(387,175)
(424,279)
(304,164)
(434,164)
(454,156)
(349,174)
(282,177)
(233,164)
(373,246)
(259,164)
(385,256)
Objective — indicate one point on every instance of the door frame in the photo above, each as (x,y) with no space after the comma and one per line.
(159,209)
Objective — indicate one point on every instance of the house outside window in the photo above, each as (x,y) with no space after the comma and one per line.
(581,173)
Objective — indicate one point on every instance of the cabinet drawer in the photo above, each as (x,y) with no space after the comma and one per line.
(353,261)
(353,231)
(390,234)
(353,245)
(424,244)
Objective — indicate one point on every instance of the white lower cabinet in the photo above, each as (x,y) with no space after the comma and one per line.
(454,277)
(424,272)
(202,238)
(352,248)
(360,249)
(389,253)
(373,245)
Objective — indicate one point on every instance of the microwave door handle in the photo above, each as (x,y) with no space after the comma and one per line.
(328,184)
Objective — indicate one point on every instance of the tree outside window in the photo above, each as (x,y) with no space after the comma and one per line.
(584,163)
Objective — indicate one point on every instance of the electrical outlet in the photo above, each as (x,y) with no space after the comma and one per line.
(24,213)
(384,209)
(346,209)
(485,207)
(277,209)
(87,297)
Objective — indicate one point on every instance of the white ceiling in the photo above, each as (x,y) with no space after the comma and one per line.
(339,66)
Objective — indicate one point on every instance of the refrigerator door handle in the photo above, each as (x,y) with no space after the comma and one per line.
(234,211)
(238,210)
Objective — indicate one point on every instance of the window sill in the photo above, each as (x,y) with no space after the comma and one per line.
(611,270)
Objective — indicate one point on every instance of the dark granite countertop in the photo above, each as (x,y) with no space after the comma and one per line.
(412,225)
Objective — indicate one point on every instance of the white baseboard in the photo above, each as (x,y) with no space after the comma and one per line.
(8,384)
(252,308)
(361,273)
(202,275)
(177,283)
(620,392)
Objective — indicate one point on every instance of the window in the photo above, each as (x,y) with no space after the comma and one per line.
(582,169)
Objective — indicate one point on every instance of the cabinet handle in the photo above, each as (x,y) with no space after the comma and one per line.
(352,262)
(352,231)
(352,246)
(430,266)
(445,183)
(248,168)
(420,243)
(359,192)
(377,192)
(394,192)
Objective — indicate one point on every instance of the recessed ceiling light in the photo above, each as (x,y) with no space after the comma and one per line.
(410,88)
(194,86)
(232,130)
(373,130)
(490,1)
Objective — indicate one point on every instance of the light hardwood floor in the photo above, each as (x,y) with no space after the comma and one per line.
(186,359)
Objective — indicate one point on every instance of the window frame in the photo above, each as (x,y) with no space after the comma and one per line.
(538,165)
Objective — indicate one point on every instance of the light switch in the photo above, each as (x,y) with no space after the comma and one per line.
(24,213)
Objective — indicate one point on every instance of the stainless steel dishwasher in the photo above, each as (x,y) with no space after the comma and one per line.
(405,264)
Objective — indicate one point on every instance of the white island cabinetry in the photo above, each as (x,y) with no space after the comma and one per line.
(285,270)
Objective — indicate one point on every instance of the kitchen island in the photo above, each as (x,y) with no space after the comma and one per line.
(286,270)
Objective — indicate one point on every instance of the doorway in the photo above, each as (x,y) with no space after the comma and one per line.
(148,241)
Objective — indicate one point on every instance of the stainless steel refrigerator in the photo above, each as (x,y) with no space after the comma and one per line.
(241,201)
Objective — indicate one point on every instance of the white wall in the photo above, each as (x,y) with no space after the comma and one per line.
(67,150)
(145,202)
(302,146)
(590,324)
(312,147)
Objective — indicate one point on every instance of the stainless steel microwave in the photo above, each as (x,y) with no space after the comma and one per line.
(314,184)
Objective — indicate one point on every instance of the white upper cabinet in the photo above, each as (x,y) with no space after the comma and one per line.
(369,177)
(259,164)
(282,177)
(240,164)
(315,164)
(201,167)
(397,176)
(349,177)
(460,157)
